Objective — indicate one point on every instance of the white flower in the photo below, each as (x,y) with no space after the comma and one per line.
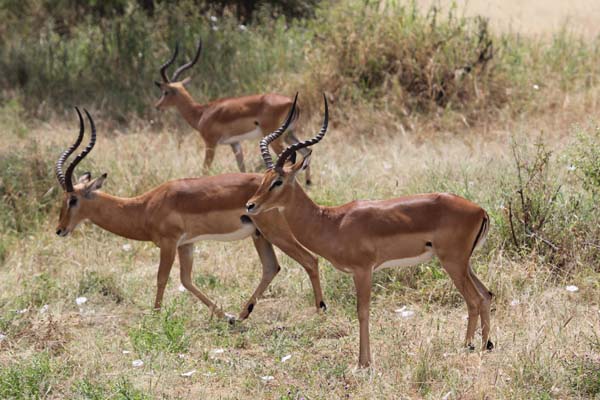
(242,27)
(267,378)
(215,28)
(127,247)
(571,168)
(189,373)
(536,87)
(81,300)
(23,311)
(2,336)
(44,309)
(137,363)
(126,351)
(181,288)
(572,288)
(285,358)
(515,302)
(181,355)
(213,18)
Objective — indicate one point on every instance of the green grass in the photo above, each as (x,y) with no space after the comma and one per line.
(27,379)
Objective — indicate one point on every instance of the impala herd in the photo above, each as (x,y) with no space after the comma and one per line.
(272,208)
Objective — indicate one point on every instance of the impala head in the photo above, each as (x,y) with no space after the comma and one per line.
(76,195)
(173,89)
(279,181)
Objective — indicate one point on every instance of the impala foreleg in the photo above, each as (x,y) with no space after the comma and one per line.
(209,156)
(270,268)
(362,281)
(186,260)
(239,155)
(167,256)
(275,229)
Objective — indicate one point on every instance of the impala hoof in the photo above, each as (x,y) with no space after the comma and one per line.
(470,347)
(323,306)
(489,345)
(230,319)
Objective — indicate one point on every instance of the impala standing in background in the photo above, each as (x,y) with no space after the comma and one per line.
(178,213)
(365,236)
(226,121)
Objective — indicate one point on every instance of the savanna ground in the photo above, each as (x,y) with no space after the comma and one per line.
(518,135)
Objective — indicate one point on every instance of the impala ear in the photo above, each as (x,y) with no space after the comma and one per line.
(302,164)
(85,178)
(94,185)
(186,80)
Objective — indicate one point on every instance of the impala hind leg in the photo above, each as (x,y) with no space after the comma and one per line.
(186,260)
(484,311)
(459,273)
(275,229)
(291,138)
(270,268)
(239,155)
(362,281)
(209,156)
(167,256)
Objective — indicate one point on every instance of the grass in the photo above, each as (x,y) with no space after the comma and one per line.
(530,159)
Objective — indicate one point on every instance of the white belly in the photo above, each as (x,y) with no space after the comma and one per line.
(244,232)
(256,133)
(406,262)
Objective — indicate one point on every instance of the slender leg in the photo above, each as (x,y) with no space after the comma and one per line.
(167,256)
(459,273)
(186,259)
(362,281)
(484,311)
(291,138)
(239,155)
(270,268)
(209,156)
(276,230)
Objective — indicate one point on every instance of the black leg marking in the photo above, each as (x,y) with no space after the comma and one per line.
(250,308)
(428,244)
(323,305)
(489,346)
(471,347)
(491,294)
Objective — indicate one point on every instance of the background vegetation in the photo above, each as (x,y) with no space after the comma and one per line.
(422,99)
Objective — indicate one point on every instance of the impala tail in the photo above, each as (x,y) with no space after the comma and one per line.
(483,231)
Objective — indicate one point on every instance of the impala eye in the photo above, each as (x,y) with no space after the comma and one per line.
(278,182)
(72,201)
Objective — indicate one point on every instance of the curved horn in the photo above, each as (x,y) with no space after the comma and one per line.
(264,143)
(63,157)
(300,145)
(80,156)
(179,70)
(163,68)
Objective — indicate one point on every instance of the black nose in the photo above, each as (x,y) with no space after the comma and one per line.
(58,231)
(250,206)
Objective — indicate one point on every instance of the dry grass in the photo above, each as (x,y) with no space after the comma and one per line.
(542,342)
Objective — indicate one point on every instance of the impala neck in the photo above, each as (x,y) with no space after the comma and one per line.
(189,109)
(121,216)
(313,225)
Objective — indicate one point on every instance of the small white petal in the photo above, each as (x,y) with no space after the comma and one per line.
(242,27)
(126,352)
(2,336)
(127,247)
(81,300)
(571,168)
(267,378)
(536,87)
(218,351)
(515,302)
(572,288)
(213,18)
(44,309)
(407,314)
(215,28)
(182,288)
(137,363)
(285,358)
(181,355)
(189,373)
(23,311)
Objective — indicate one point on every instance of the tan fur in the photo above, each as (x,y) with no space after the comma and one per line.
(360,236)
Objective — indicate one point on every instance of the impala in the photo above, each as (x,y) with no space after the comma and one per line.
(362,237)
(178,213)
(226,121)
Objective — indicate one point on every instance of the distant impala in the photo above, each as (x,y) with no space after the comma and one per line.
(362,237)
(226,121)
(177,214)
